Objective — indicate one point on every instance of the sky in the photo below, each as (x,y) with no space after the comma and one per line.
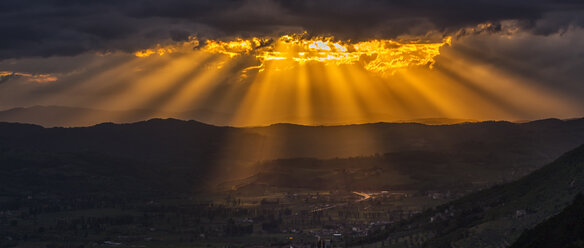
(259,62)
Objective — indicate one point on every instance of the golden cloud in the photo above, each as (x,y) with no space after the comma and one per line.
(189,44)
(37,78)
(374,55)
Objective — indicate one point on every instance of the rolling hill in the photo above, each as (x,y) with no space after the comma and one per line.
(186,156)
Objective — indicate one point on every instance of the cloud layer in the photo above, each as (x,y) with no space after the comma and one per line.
(45,28)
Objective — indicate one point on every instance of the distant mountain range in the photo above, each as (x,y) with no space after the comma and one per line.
(187,156)
(59,116)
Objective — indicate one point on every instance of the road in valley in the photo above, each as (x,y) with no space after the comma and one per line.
(362,194)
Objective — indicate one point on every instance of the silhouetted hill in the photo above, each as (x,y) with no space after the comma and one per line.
(59,116)
(56,116)
(422,170)
(165,154)
(437,121)
(497,216)
(289,141)
(562,231)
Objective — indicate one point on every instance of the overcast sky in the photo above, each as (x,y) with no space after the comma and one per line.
(42,40)
(69,27)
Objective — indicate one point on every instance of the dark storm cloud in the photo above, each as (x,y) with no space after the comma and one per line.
(70,27)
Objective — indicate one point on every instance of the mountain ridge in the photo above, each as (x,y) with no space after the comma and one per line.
(55,116)
(500,150)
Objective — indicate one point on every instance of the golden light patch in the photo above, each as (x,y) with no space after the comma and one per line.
(159,49)
(235,47)
(37,78)
(380,56)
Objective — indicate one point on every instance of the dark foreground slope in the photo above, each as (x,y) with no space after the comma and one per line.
(565,230)
(497,216)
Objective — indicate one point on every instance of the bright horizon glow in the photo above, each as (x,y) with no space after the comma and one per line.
(305,80)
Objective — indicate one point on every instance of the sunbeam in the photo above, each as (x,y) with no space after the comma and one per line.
(311,81)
